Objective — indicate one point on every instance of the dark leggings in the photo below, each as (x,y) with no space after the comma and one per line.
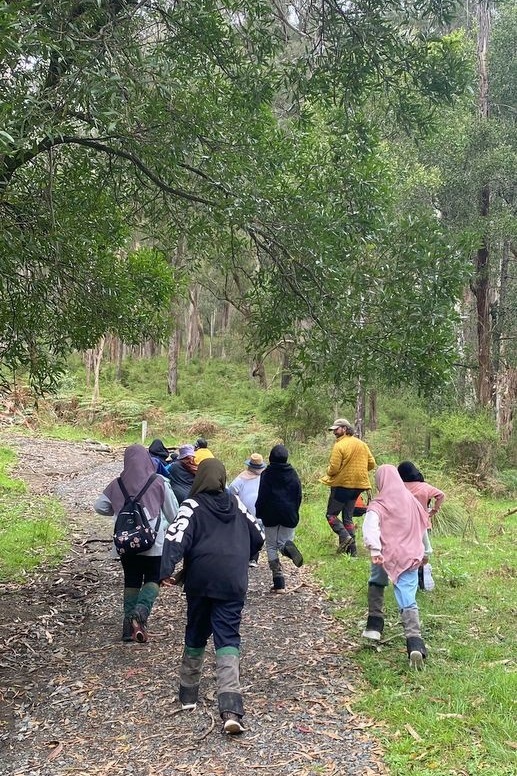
(140,569)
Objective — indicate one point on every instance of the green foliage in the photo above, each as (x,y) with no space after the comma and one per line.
(467,443)
(461,708)
(297,414)
(219,128)
(7,484)
(32,530)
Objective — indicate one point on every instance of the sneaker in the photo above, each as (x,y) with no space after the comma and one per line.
(345,543)
(188,706)
(277,590)
(232,723)
(291,551)
(416,660)
(373,635)
(253,564)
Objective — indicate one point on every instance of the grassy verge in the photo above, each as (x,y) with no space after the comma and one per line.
(457,718)
(32,528)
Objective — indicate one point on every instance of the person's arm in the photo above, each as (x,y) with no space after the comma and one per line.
(372,535)
(438,496)
(170,504)
(428,550)
(336,461)
(256,532)
(177,542)
(233,487)
(371,461)
(103,506)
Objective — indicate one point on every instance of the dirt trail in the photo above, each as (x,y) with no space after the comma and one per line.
(78,701)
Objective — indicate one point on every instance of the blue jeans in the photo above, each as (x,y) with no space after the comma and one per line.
(404,589)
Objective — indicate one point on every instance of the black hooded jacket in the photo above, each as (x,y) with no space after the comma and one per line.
(279,496)
(216,536)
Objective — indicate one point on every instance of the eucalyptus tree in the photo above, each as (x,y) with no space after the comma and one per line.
(189,121)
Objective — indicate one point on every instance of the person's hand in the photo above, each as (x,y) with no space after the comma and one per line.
(170,582)
(425,560)
(377,560)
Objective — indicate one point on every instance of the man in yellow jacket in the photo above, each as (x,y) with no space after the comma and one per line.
(347,475)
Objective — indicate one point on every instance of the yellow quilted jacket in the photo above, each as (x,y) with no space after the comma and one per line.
(201,454)
(350,462)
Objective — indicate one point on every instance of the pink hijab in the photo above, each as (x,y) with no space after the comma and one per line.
(402,522)
(138,467)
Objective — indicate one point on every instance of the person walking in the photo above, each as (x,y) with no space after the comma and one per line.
(182,472)
(431,499)
(246,487)
(141,571)
(216,537)
(347,476)
(278,504)
(392,530)
(201,451)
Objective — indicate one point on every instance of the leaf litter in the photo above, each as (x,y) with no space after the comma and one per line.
(79,702)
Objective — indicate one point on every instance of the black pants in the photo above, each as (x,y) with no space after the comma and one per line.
(342,500)
(140,569)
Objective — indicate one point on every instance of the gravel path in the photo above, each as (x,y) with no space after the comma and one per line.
(78,701)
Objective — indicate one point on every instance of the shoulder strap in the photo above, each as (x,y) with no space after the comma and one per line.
(147,485)
(139,495)
(123,489)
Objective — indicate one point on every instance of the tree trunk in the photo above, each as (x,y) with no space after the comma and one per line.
(195,333)
(360,402)
(177,260)
(481,285)
(97,359)
(258,371)
(285,377)
(372,410)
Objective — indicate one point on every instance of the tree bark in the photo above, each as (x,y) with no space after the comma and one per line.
(360,409)
(177,260)
(481,285)
(97,359)
(195,333)
(372,410)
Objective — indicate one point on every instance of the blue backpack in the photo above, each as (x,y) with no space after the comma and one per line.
(132,533)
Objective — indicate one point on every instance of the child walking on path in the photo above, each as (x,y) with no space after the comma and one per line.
(431,499)
(393,528)
(216,537)
(277,505)
(142,571)
(246,487)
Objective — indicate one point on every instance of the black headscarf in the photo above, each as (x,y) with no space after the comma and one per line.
(158,449)
(279,454)
(210,477)
(409,473)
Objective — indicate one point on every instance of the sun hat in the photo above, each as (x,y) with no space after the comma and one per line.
(255,461)
(184,451)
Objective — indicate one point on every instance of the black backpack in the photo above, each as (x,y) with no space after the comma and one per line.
(132,533)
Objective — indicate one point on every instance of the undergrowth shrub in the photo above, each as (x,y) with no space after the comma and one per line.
(467,443)
(297,415)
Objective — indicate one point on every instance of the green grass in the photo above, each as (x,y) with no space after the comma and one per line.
(32,528)
(458,716)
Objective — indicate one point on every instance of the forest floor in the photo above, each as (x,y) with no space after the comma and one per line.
(76,700)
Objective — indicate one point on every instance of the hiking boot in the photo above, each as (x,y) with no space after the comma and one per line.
(127,629)
(188,706)
(345,543)
(232,724)
(277,590)
(374,624)
(139,631)
(253,564)
(291,551)
(416,660)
